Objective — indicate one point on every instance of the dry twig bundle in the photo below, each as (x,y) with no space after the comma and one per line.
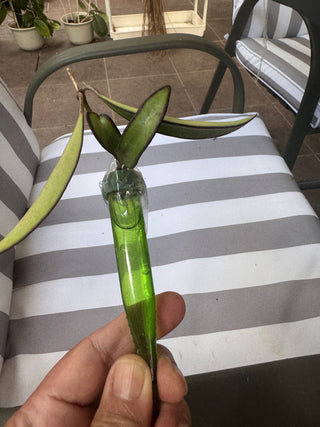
(153,17)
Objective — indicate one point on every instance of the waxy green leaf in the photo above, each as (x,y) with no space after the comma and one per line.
(42,28)
(99,25)
(3,12)
(141,129)
(52,190)
(181,128)
(105,131)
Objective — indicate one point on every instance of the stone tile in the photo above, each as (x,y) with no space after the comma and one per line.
(180,5)
(141,64)
(185,60)
(86,71)
(133,91)
(46,136)
(125,7)
(56,105)
(219,8)
(221,26)
(197,83)
(313,197)
(56,8)
(313,142)
(306,168)
(17,66)
(210,33)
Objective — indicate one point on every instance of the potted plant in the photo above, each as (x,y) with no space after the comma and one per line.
(85,20)
(28,22)
(124,191)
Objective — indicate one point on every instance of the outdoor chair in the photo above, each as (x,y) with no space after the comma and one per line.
(280,46)
(229,229)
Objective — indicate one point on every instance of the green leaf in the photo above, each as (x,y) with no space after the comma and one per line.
(94,6)
(181,128)
(105,131)
(105,17)
(38,6)
(42,28)
(53,189)
(3,12)
(99,25)
(55,25)
(20,4)
(28,20)
(140,131)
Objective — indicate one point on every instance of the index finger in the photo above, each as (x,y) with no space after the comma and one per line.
(87,364)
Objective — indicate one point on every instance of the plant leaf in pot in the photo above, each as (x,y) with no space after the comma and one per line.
(88,12)
(28,22)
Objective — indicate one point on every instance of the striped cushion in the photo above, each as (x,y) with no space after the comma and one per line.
(275,19)
(19,156)
(228,228)
(282,64)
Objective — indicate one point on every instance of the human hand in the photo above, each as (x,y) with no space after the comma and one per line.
(100,384)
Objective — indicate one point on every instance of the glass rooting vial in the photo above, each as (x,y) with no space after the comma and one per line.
(125,192)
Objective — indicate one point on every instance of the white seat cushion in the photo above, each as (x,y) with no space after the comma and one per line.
(19,157)
(281,64)
(273,19)
(228,228)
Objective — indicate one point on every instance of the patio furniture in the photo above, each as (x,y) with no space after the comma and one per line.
(281,48)
(228,228)
(188,21)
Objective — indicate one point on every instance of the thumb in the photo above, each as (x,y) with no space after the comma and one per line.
(127,396)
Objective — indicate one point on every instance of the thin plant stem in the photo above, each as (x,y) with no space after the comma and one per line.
(70,9)
(14,14)
(64,9)
(75,84)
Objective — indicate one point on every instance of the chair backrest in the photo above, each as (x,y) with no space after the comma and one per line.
(18,163)
(271,19)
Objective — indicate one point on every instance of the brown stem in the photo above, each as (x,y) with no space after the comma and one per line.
(153,17)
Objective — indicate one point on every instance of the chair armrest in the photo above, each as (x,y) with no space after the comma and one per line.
(131,46)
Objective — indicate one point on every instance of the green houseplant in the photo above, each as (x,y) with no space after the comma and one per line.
(28,22)
(83,21)
(124,191)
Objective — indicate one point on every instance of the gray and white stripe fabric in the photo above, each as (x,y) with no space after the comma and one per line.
(275,48)
(19,157)
(281,64)
(273,19)
(227,227)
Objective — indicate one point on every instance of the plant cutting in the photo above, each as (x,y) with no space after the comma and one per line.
(124,190)
(85,12)
(28,14)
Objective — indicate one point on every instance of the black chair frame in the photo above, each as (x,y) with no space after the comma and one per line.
(301,126)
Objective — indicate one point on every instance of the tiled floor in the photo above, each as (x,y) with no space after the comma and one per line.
(131,79)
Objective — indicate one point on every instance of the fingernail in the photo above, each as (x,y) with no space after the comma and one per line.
(128,379)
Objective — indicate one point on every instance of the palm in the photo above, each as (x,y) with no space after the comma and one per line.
(70,393)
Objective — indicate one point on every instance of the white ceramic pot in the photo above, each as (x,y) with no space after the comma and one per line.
(78,32)
(27,38)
